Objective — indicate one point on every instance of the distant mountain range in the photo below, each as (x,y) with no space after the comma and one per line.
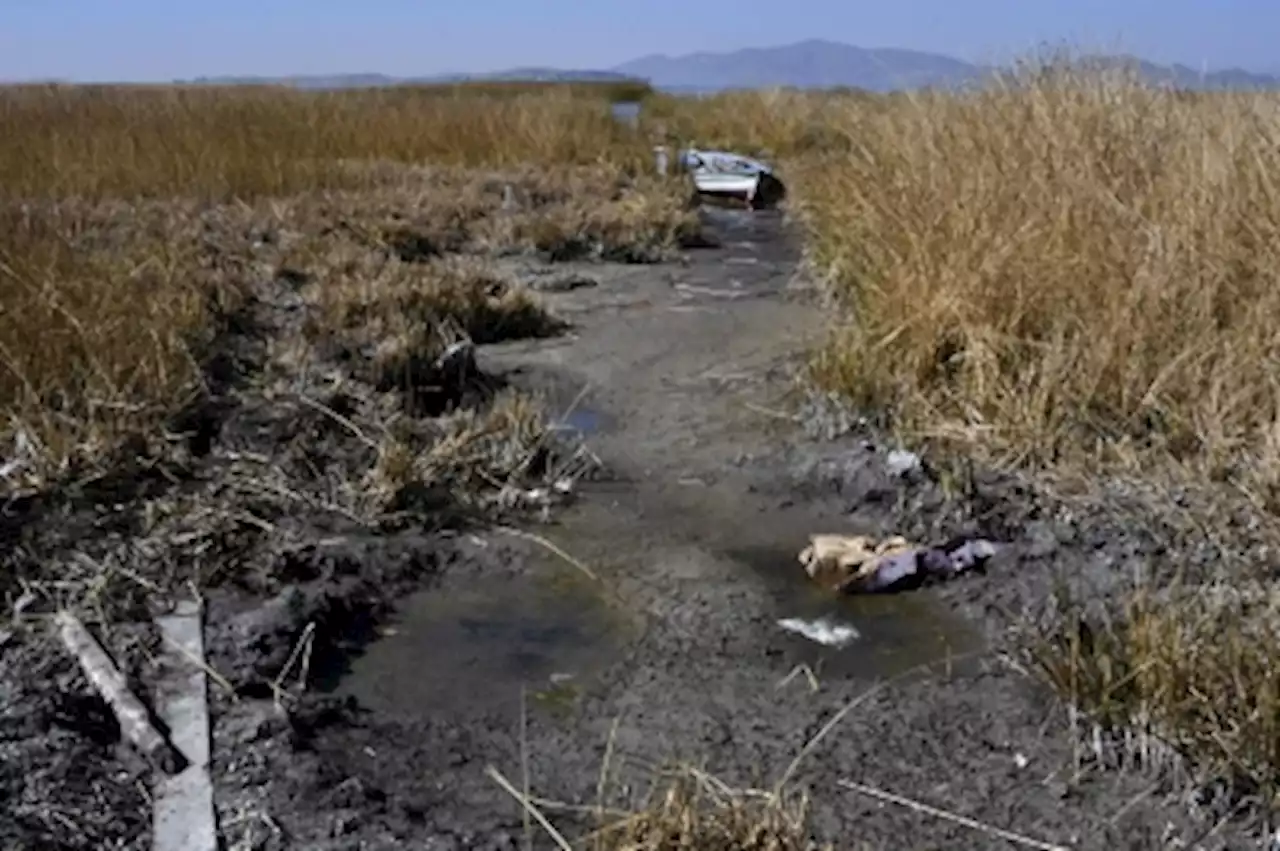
(360,81)
(808,64)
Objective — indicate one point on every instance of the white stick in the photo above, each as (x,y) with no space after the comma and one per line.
(1015,838)
(135,721)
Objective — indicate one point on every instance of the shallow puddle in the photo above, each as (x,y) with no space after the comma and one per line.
(471,650)
(895,633)
(583,420)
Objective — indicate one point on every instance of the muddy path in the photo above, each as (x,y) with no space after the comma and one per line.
(638,626)
(672,649)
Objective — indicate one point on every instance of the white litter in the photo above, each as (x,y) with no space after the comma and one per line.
(900,462)
(823,631)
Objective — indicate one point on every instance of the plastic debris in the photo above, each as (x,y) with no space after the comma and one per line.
(558,493)
(900,462)
(822,630)
(457,364)
(859,564)
(661,162)
(23,454)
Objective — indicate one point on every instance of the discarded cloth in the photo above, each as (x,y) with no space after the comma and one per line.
(859,565)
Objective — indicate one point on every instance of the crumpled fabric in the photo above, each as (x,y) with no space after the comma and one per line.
(860,565)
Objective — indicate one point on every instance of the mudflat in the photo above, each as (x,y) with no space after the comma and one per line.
(638,626)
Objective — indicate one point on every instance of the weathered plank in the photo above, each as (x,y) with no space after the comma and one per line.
(184,818)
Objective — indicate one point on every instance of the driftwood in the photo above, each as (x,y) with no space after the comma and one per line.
(135,721)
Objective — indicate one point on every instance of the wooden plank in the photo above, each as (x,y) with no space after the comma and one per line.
(184,818)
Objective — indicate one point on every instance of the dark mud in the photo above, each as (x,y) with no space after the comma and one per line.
(677,378)
(65,779)
(442,648)
(260,498)
(457,649)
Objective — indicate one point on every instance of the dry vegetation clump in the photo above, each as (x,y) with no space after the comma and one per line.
(1182,675)
(684,808)
(600,212)
(400,317)
(1065,267)
(505,456)
(640,224)
(694,810)
(104,313)
(122,265)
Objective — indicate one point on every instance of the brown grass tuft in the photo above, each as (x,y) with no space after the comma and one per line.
(503,456)
(686,808)
(1192,670)
(377,305)
(103,313)
(692,810)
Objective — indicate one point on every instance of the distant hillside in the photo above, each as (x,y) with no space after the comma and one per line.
(808,64)
(356,81)
(826,64)
(1190,78)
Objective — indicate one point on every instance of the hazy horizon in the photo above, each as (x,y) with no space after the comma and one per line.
(153,41)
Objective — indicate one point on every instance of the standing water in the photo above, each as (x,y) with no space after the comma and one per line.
(865,636)
(471,649)
(627,112)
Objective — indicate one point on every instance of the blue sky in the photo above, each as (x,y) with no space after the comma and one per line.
(168,39)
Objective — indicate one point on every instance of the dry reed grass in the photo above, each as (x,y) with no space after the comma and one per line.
(1072,269)
(103,312)
(691,809)
(381,305)
(244,143)
(1067,267)
(684,808)
(123,248)
(789,125)
(1193,672)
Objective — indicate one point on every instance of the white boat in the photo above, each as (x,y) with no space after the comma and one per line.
(725,174)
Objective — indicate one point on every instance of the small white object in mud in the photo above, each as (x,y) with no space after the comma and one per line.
(900,462)
(558,493)
(822,630)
